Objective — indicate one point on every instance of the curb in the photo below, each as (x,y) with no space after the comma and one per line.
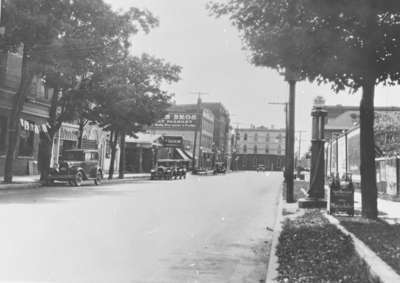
(20,186)
(379,270)
(272,269)
(36,185)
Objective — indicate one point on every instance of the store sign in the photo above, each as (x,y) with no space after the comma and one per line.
(177,121)
(173,141)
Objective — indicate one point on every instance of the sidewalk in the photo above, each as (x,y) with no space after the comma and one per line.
(32,182)
(389,211)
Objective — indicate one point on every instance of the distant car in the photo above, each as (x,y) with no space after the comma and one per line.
(76,166)
(260,168)
(219,168)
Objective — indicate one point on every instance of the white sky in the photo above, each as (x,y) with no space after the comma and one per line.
(210,52)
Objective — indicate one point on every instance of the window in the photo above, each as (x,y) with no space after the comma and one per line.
(48,93)
(255,149)
(279,149)
(267,138)
(3,129)
(91,156)
(245,148)
(245,137)
(255,137)
(26,138)
(267,150)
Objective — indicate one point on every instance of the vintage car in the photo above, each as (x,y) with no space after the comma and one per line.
(260,168)
(167,169)
(219,168)
(76,166)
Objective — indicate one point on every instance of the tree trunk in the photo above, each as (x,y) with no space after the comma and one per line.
(13,119)
(46,140)
(113,145)
(122,156)
(140,160)
(367,153)
(45,150)
(82,124)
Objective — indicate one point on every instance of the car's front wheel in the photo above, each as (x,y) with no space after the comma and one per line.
(78,180)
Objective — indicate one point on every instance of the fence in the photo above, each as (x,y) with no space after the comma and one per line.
(343,156)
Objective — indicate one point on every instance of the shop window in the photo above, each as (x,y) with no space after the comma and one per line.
(26,138)
(3,129)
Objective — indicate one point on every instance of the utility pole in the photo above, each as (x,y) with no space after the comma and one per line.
(286,136)
(291,77)
(197,128)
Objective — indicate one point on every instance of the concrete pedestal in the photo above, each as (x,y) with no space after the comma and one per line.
(312,203)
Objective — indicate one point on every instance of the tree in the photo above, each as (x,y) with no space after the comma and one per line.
(349,44)
(60,39)
(128,96)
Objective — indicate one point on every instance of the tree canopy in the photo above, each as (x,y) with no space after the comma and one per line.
(352,43)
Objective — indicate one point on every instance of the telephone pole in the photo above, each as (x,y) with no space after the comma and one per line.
(198,126)
(286,137)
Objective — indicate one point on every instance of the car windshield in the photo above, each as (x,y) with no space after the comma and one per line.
(73,156)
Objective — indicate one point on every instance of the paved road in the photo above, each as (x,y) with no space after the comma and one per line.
(203,229)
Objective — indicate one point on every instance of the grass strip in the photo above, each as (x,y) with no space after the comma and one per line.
(379,236)
(311,249)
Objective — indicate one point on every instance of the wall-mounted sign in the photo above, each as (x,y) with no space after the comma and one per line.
(173,141)
(177,121)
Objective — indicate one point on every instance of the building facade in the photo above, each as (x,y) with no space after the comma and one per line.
(33,117)
(182,121)
(258,145)
(260,140)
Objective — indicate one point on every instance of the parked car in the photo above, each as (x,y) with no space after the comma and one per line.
(76,166)
(167,169)
(161,173)
(219,168)
(260,168)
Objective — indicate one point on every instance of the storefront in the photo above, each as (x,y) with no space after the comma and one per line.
(141,152)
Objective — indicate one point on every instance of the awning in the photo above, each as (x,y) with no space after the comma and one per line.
(144,140)
(188,154)
(181,154)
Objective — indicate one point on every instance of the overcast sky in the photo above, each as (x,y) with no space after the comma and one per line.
(210,52)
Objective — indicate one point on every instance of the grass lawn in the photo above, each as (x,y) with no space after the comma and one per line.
(381,237)
(311,249)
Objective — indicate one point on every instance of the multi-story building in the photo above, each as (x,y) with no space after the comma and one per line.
(259,145)
(221,130)
(181,121)
(33,117)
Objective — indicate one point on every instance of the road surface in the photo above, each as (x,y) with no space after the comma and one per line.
(202,229)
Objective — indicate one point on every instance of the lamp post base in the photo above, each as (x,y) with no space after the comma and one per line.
(312,203)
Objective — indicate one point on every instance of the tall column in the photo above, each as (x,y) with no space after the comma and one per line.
(316,191)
